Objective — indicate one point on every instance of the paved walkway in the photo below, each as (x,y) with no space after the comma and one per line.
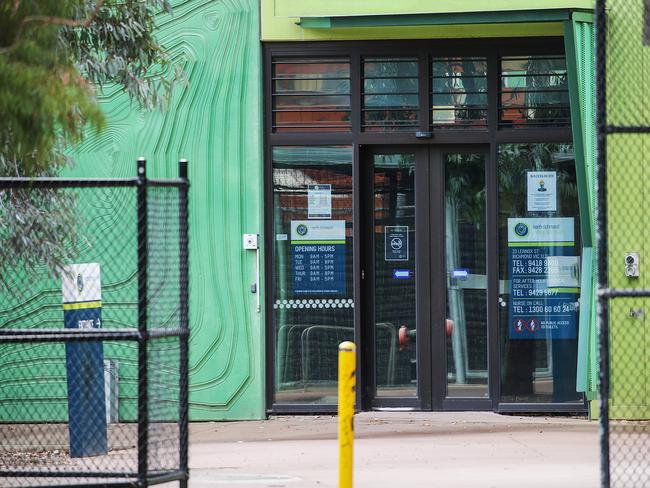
(399,449)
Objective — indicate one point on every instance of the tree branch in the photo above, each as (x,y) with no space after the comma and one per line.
(52,20)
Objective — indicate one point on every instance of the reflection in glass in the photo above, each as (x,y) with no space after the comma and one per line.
(329,102)
(313,293)
(537,366)
(534,91)
(394,229)
(465,257)
(390,93)
(459,92)
(311,94)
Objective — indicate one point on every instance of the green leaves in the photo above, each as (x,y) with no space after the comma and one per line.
(55,55)
(39,102)
(119,47)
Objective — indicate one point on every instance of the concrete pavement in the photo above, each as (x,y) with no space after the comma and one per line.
(395,449)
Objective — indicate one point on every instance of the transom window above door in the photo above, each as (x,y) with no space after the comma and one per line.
(390,94)
(459,92)
(311,94)
(418,91)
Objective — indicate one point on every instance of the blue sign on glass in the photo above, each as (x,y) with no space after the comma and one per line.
(401,273)
(544,278)
(460,274)
(318,257)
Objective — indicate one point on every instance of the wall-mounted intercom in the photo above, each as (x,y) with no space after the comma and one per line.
(632,264)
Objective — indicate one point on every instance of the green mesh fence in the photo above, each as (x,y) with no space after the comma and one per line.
(623,280)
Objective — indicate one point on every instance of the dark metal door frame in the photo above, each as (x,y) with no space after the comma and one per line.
(430,282)
(368,377)
(438,280)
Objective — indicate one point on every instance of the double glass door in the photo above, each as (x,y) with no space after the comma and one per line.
(427,275)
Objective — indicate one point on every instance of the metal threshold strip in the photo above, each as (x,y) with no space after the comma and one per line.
(456,18)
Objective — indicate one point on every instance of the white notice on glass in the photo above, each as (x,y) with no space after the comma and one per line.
(563,272)
(542,194)
(319,201)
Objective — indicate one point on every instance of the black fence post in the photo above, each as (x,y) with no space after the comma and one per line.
(143,413)
(184,320)
(601,237)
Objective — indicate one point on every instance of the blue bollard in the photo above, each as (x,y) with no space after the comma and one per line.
(84,362)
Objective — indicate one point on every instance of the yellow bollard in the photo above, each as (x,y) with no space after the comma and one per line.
(347,386)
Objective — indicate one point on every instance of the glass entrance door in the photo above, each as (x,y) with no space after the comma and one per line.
(395,272)
(427,277)
(464,279)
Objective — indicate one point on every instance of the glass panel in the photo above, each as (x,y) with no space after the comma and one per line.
(318,102)
(459,92)
(457,99)
(390,67)
(465,260)
(539,257)
(307,68)
(323,86)
(390,84)
(534,92)
(311,94)
(313,291)
(543,99)
(390,101)
(450,81)
(399,85)
(395,324)
(396,118)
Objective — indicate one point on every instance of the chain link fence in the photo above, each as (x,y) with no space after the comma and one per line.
(623,88)
(93,331)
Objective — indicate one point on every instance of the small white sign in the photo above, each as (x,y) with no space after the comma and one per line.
(563,271)
(319,201)
(281,237)
(81,283)
(542,191)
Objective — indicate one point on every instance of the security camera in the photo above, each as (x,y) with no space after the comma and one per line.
(632,264)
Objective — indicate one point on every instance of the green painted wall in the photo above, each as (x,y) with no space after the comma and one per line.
(215,122)
(628,79)
(279,18)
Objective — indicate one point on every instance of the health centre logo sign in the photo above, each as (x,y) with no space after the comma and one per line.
(544,278)
(521,229)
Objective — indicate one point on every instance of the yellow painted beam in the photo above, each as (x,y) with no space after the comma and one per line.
(316,8)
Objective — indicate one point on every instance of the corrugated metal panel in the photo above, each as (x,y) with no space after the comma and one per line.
(585,45)
(585,49)
(581,44)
